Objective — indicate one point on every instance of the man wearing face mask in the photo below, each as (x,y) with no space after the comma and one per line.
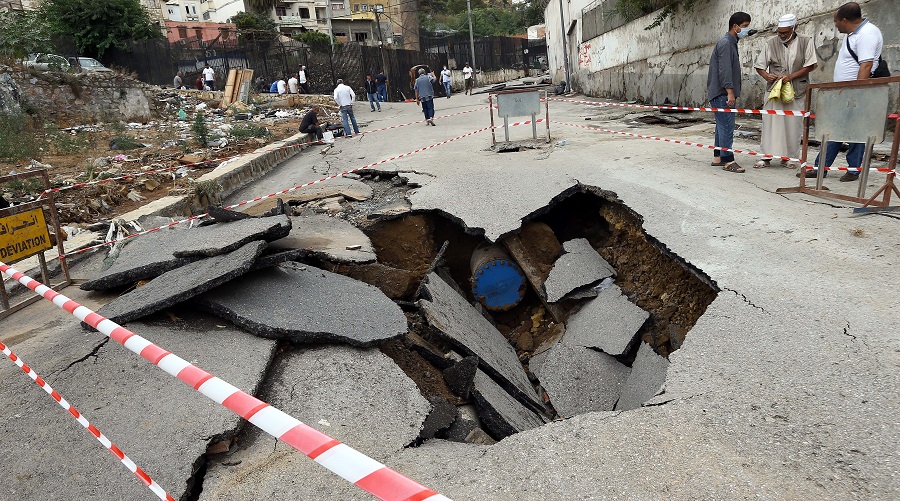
(724,87)
(787,57)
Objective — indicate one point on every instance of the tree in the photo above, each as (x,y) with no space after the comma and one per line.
(23,33)
(98,25)
(261,6)
(246,21)
(318,41)
(633,9)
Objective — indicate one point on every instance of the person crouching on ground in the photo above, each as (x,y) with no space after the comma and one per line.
(723,85)
(310,123)
(425,94)
(344,96)
(372,92)
(789,58)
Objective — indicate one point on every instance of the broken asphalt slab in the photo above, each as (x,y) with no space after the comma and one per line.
(340,187)
(609,322)
(305,304)
(579,379)
(162,424)
(646,380)
(328,238)
(181,284)
(465,327)
(500,413)
(357,396)
(579,266)
(222,238)
(144,257)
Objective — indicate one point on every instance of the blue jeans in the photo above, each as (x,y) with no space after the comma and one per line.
(373,100)
(724,130)
(854,154)
(347,111)
(428,107)
(447,88)
(382,93)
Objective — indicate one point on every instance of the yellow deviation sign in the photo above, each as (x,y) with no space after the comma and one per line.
(23,235)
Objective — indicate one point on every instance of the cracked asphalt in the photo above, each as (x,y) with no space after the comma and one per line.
(785,389)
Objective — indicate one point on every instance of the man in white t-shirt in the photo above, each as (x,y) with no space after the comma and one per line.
(864,41)
(344,97)
(301,80)
(281,86)
(209,77)
(467,75)
(292,84)
(446,78)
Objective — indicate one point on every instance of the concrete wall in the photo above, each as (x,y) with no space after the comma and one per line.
(68,98)
(671,61)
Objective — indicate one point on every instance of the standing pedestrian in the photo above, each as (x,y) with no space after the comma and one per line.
(209,77)
(467,76)
(789,58)
(381,82)
(859,59)
(344,96)
(293,84)
(372,92)
(302,80)
(178,82)
(445,79)
(425,94)
(723,85)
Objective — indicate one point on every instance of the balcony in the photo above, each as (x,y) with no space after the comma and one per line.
(296,22)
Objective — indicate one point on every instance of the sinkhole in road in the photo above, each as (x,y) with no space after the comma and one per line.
(576,311)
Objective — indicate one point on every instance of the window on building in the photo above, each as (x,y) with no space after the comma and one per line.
(337,5)
(182,32)
(361,36)
(340,34)
(304,12)
(187,9)
(379,7)
(356,8)
(206,16)
(365,7)
(280,11)
(198,33)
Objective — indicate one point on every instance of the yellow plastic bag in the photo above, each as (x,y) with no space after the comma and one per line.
(787,92)
(775,93)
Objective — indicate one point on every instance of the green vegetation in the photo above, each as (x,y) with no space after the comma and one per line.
(254,27)
(124,143)
(200,129)
(17,138)
(61,143)
(316,40)
(489,17)
(633,9)
(23,33)
(30,185)
(98,25)
(246,131)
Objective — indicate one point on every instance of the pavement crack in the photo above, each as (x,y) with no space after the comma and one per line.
(746,300)
(92,354)
(847,332)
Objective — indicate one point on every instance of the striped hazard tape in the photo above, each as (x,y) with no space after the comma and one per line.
(225,160)
(348,463)
(719,148)
(125,460)
(790,113)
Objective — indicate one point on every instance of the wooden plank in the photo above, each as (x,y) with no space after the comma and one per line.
(227,95)
(520,253)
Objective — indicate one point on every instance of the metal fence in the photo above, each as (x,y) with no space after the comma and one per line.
(491,53)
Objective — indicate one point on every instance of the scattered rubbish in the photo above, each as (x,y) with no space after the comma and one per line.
(562,142)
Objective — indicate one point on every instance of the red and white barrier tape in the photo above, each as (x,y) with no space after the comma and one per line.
(348,463)
(282,192)
(125,460)
(228,159)
(719,148)
(790,113)
(526,122)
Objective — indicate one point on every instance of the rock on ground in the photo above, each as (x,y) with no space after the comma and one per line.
(357,396)
(304,304)
(159,422)
(461,324)
(579,266)
(328,238)
(609,322)
(181,284)
(221,238)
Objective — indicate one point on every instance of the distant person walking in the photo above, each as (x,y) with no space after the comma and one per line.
(425,94)
(467,76)
(344,96)
(445,79)
(302,80)
(787,57)
(723,85)
(381,82)
(372,92)
(310,123)
(858,59)
(209,77)
(178,82)
(293,84)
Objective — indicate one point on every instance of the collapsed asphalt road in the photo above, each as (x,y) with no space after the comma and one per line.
(772,392)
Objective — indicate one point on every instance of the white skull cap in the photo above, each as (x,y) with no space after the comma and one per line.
(787,21)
